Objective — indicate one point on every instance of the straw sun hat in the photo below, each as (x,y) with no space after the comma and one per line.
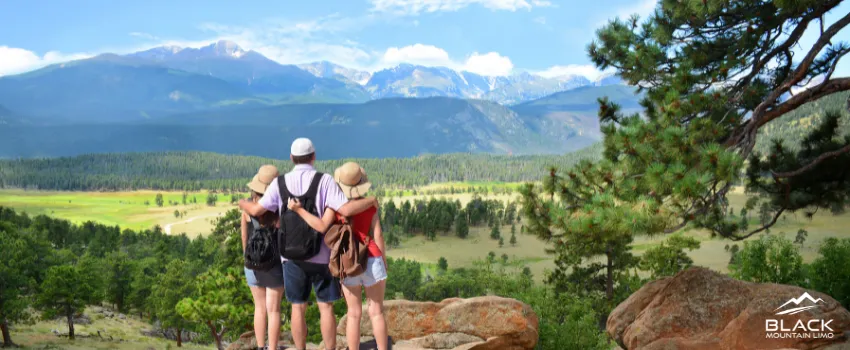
(264,177)
(352,180)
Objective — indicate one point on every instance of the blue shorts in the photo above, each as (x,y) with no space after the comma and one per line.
(271,278)
(301,277)
(375,272)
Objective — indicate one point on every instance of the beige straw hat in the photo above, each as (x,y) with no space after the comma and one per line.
(352,180)
(264,177)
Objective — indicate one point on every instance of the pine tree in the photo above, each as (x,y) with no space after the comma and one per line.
(171,287)
(120,270)
(513,239)
(494,232)
(65,292)
(443,264)
(712,74)
(501,242)
(461,227)
(15,262)
(159,201)
(214,304)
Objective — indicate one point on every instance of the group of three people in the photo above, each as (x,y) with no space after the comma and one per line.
(339,196)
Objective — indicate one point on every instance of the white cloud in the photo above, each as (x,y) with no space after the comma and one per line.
(540,20)
(417,54)
(144,35)
(489,64)
(588,71)
(414,7)
(15,60)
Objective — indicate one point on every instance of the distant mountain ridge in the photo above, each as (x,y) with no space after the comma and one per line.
(390,127)
(169,79)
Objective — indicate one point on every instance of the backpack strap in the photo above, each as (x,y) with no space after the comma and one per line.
(284,193)
(314,185)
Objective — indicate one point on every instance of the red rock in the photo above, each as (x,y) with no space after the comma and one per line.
(702,309)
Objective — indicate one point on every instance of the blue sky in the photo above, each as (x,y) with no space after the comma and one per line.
(492,37)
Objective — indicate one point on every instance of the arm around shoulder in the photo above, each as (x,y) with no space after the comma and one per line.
(358,206)
(252,208)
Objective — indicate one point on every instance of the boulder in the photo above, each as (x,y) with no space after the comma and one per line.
(702,309)
(480,323)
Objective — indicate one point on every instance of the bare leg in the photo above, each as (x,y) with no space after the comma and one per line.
(375,294)
(298,324)
(259,294)
(355,310)
(273,296)
(328,319)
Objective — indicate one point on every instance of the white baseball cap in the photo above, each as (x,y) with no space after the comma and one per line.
(302,147)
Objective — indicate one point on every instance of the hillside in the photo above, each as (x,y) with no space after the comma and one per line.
(7,116)
(575,110)
(197,170)
(398,127)
(111,88)
(792,127)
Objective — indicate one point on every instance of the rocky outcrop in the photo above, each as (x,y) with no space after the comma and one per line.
(482,323)
(702,309)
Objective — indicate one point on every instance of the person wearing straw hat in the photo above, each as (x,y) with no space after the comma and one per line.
(266,286)
(354,183)
(304,277)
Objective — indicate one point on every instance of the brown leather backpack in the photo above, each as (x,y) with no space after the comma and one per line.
(348,255)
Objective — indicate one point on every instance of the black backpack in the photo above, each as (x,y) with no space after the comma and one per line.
(296,239)
(261,251)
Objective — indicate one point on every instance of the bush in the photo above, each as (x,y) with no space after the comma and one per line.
(770,259)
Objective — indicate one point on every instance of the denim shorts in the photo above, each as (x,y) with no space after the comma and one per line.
(301,277)
(271,278)
(375,272)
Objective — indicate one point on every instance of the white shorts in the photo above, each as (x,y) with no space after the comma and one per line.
(375,272)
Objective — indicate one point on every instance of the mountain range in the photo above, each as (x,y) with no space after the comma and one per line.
(222,98)
(168,79)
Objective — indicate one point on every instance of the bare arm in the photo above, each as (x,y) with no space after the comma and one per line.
(355,207)
(252,208)
(244,227)
(321,225)
(378,236)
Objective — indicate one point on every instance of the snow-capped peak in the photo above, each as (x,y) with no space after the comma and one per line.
(228,48)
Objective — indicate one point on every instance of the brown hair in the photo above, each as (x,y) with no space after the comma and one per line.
(305,159)
(269,219)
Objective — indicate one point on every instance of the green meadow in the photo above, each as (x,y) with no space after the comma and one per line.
(128,209)
(125,209)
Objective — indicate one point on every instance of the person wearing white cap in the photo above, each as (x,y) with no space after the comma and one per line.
(366,227)
(302,276)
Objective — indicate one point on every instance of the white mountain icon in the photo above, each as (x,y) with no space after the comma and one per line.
(797,301)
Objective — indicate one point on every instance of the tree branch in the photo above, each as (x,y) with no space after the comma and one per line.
(760,229)
(813,164)
(799,73)
(826,88)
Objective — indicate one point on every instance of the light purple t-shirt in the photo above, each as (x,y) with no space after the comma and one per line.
(329,195)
